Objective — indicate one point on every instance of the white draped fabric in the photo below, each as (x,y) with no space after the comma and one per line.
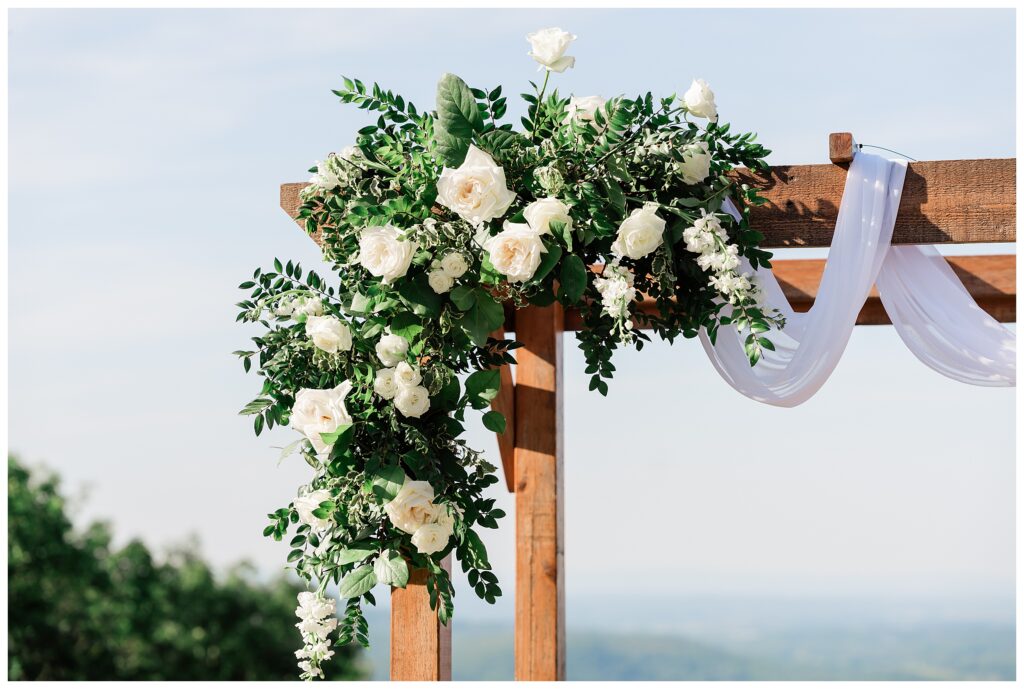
(930,308)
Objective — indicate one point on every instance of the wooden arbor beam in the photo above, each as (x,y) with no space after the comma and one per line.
(954,201)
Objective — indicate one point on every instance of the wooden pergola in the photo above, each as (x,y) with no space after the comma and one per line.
(943,202)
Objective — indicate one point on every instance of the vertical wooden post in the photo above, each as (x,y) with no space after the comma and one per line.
(540,605)
(421,647)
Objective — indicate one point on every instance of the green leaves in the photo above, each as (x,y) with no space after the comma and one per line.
(482,387)
(494,421)
(547,262)
(483,315)
(388,482)
(457,119)
(342,434)
(424,300)
(573,280)
(397,570)
(357,582)
(350,556)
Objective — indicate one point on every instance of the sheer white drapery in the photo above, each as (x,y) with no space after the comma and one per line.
(931,310)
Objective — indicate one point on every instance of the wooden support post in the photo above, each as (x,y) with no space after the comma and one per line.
(421,647)
(540,603)
(841,147)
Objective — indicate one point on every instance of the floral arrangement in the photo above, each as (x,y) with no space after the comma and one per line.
(434,222)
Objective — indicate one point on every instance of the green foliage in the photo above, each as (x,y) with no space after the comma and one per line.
(80,609)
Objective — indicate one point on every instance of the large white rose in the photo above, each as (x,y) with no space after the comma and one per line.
(307,503)
(384,253)
(320,411)
(329,333)
(406,376)
(515,252)
(430,538)
(539,214)
(412,401)
(412,507)
(700,100)
(308,306)
(548,47)
(454,265)
(582,108)
(384,383)
(391,349)
(476,190)
(639,234)
(696,164)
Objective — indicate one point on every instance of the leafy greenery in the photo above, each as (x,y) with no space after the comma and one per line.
(82,610)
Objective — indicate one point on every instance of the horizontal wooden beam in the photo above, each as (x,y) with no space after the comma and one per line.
(991,280)
(944,202)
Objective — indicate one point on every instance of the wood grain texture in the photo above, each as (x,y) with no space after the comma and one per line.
(421,647)
(540,603)
(505,404)
(840,147)
(944,201)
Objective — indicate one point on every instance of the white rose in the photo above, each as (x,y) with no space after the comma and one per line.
(700,100)
(442,516)
(440,281)
(407,376)
(285,308)
(311,501)
(329,333)
(384,383)
(639,234)
(548,47)
(384,253)
(696,164)
(309,306)
(515,252)
(476,191)
(539,214)
(412,507)
(454,265)
(391,349)
(582,108)
(320,411)
(412,401)
(430,538)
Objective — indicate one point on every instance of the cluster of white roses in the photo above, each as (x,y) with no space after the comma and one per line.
(301,305)
(708,238)
(316,622)
(444,273)
(615,285)
(414,512)
(400,381)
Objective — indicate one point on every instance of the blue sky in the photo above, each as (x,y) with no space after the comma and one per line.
(146,148)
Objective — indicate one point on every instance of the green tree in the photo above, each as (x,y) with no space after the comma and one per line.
(79,610)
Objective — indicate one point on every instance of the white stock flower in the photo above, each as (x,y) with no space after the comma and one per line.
(412,401)
(316,621)
(476,191)
(430,538)
(329,333)
(454,265)
(384,253)
(391,349)
(700,100)
(539,214)
(582,108)
(640,234)
(412,507)
(384,383)
(615,285)
(351,153)
(696,164)
(326,175)
(407,376)
(548,47)
(308,306)
(320,411)
(440,281)
(311,501)
(515,252)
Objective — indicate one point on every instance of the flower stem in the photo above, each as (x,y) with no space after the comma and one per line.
(540,103)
